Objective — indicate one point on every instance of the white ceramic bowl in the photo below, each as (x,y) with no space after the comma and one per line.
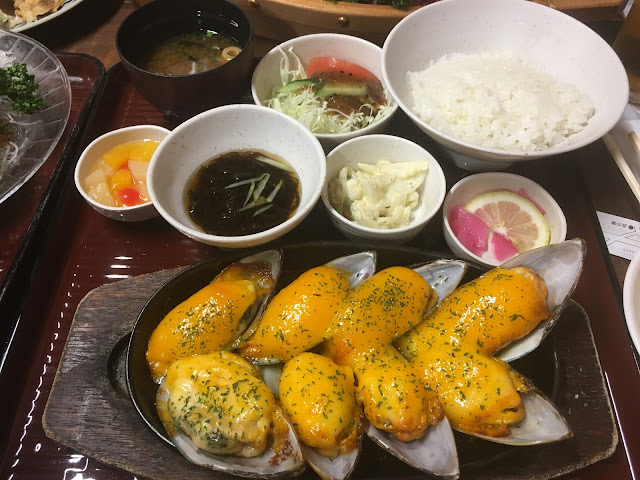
(99,147)
(631,300)
(473,185)
(266,77)
(221,130)
(557,43)
(372,149)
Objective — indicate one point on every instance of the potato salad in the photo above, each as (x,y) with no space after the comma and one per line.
(380,195)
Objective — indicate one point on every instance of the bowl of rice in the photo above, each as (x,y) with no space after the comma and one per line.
(502,81)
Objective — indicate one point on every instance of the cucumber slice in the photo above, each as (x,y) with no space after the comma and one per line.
(352,89)
(297,85)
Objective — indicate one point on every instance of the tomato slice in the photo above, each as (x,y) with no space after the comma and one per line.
(129,197)
(335,66)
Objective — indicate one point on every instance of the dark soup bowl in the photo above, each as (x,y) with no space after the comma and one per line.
(175,53)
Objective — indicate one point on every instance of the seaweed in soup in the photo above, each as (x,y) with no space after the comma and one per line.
(242,192)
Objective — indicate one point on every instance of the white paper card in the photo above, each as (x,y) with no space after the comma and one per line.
(621,234)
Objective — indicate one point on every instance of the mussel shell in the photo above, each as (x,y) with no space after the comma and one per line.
(273,258)
(541,424)
(338,468)
(434,453)
(361,266)
(560,266)
(142,388)
(443,275)
(267,465)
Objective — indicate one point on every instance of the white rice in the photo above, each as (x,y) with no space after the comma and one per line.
(497,100)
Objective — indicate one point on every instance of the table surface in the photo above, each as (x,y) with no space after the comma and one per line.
(90,28)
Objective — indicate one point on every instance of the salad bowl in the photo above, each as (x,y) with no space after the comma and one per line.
(271,72)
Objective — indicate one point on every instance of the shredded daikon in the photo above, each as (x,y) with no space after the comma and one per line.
(381,195)
(312,112)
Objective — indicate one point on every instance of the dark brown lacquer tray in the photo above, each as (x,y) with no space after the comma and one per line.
(86,251)
(28,213)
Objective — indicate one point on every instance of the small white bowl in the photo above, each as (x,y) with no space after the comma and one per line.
(225,129)
(560,45)
(266,77)
(473,185)
(372,149)
(99,147)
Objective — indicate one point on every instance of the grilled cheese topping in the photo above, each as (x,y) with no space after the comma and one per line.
(318,396)
(220,402)
(299,316)
(453,348)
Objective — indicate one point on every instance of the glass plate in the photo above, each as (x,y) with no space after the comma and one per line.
(44,128)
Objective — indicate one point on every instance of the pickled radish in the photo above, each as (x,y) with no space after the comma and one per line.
(470,230)
(502,248)
(523,193)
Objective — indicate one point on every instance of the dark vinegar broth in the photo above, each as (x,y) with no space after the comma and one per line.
(220,208)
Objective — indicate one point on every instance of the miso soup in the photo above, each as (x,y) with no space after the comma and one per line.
(242,192)
(188,53)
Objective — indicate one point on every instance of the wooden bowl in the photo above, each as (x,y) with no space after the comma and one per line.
(282,20)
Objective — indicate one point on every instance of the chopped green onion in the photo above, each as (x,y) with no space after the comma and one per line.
(274,163)
(245,182)
(261,184)
(246,200)
(273,194)
(256,203)
(263,209)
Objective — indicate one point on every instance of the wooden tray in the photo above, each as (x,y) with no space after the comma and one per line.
(86,250)
(109,429)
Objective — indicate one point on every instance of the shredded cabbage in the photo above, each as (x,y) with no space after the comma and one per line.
(381,195)
(313,112)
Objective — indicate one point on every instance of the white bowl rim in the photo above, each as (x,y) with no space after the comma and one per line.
(502,156)
(81,161)
(505,175)
(271,233)
(320,36)
(629,300)
(387,232)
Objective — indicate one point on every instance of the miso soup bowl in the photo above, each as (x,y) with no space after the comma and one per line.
(266,77)
(226,129)
(183,96)
(102,145)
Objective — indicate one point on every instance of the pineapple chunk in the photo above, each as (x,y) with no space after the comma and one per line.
(94,178)
(143,151)
(117,156)
(101,194)
(121,179)
(138,170)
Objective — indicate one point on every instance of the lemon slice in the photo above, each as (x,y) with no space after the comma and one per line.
(513,216)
